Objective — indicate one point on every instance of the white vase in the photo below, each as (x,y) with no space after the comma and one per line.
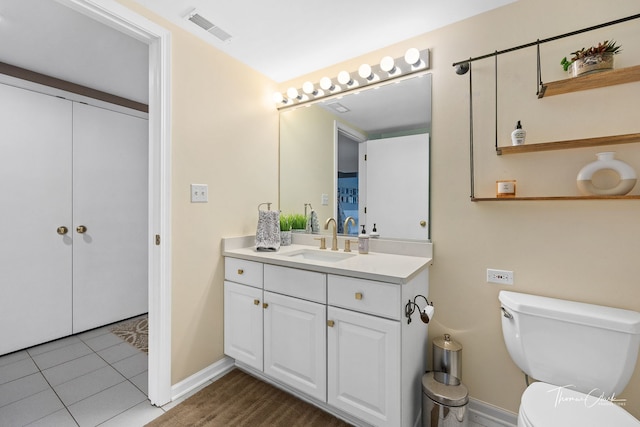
(606,160)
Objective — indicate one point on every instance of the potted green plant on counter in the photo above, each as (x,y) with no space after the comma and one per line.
(593,59)
(285,229)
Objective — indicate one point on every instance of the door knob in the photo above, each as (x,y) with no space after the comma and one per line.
(62,230)
(423,223)
(81,229)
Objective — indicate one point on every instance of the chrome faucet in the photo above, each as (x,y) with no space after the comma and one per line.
(334,241)
(345,227)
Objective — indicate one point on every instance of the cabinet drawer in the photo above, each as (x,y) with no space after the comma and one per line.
(366,296)
(242,271)
(308,285)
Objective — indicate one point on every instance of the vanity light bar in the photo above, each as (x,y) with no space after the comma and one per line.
(413,61)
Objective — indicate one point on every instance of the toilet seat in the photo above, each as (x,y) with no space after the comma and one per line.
(547,405)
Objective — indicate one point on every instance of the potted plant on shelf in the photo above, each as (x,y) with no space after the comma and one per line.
(593,59)
(285,229)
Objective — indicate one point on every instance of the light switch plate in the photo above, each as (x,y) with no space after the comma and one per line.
(199,193)
(324,200)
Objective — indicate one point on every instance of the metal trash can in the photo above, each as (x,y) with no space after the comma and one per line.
(444,397)
(444,401)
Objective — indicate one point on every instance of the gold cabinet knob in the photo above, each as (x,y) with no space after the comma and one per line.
(62,230)
(81,229)
(423,223)
(240,271)
(256,301)
(358,295)
(330,323)
(265,305)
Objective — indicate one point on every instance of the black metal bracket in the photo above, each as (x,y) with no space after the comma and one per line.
(410,308)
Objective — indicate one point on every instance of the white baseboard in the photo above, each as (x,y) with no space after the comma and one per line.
(210,373)
(487,415)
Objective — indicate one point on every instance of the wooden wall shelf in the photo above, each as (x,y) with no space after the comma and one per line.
(511,199)
(573,143)
(590,81)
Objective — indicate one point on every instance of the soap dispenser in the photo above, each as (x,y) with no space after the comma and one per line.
(374,233)
(518,135)
(363,241)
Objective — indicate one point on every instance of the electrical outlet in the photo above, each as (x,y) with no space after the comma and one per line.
(199,193)
(324,199)
(503,277)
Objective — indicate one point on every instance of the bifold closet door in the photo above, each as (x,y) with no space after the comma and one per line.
(110,200)
(35,218)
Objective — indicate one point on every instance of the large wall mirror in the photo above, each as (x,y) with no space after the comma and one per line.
(322,159)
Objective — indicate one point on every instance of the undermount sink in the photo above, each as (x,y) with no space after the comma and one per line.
(318,255)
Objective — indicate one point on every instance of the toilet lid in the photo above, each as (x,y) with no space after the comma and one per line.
(547,405)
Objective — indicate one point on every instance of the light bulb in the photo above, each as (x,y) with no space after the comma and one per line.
(278,98)
(326,83)
(344,78)
(365,72)
(292,93)
(308,88)
(412,57)
(388,65)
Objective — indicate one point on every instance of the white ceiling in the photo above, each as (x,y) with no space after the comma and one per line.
(284,39)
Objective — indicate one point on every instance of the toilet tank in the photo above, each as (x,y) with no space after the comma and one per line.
(586,347)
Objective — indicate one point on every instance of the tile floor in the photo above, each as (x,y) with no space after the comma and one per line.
(86,380)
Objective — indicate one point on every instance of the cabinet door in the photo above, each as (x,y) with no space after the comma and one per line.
(35,194)
(363,355)
(110,198)
(243,323)
(294,343)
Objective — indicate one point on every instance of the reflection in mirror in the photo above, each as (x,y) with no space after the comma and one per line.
(322,159)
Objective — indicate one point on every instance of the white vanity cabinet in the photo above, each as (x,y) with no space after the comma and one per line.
(341,341)
(295,329)
(243,321)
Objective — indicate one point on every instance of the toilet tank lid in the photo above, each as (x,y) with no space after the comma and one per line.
(616,319)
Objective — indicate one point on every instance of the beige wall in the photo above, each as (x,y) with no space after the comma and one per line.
(224,134)
(580,250)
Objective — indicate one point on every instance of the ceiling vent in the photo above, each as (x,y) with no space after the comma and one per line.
(208,26)
(338,107)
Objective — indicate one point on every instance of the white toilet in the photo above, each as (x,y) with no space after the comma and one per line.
(583,356)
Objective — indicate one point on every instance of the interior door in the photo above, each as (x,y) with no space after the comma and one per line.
(110,181)
(394,167)
(35,199)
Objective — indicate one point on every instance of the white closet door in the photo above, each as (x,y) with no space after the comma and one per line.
(35,199)
(110,200)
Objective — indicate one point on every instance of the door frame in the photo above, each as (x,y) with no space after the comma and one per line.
(122,19)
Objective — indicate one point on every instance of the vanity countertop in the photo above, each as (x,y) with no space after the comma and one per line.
(384,267)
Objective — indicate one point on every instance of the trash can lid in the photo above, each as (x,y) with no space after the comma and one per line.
(448,395)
